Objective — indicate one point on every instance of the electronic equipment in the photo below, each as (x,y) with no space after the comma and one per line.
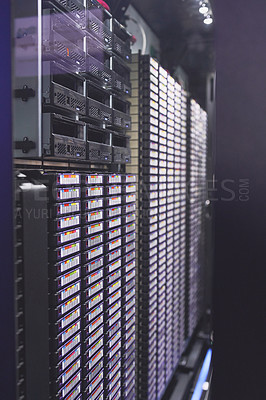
(71,69)
(159,158)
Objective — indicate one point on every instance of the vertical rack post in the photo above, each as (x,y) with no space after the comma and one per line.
(8,383)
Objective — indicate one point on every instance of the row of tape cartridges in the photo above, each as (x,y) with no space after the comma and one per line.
(91,247)
(159,106)
(197,198)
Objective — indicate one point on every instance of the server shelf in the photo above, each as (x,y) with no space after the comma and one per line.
(76,57)
(162,230)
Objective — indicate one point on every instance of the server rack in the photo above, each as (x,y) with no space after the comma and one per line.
(182,123)
(159,157)
(197,198)
(72,116)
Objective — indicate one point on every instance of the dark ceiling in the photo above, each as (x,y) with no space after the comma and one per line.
(185,40)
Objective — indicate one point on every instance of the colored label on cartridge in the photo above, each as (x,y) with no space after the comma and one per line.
(70,344)
(67,306)
(68,208)
(95,358)
(70,331)
(68,179)
(73,382)
(67,222)
(68,278)
(67,194)
(95,324)
(69,249)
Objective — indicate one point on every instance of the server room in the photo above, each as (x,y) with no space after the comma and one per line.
(132,159)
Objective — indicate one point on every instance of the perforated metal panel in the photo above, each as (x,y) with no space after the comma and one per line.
(122,48)
(99,30)
(68,99)
(68,147)
(121,119)
(98,70)
(99,111)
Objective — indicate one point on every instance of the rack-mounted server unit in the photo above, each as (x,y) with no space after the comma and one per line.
(71,83)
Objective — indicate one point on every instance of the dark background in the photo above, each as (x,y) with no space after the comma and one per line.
(185,40)
(7,338)
(240,227)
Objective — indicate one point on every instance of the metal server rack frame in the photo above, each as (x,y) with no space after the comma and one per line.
(65,382)
(85,41)
(168,112)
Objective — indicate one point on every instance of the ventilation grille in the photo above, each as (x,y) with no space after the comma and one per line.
(99,70)
(69,100)
(61,149)
(106,77)
(94,67)
(121,119)
(118,84)
(78,105)
(95,112)
(122,48)
(118,121)
(94,154)
(99,111)
(121,84)
(107,36)
(63,2)
(94,27)
(77,9)
(100,153)
(60,98)
(74,150)
(94,70)
(98,29)
(118,47)
(64,148)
